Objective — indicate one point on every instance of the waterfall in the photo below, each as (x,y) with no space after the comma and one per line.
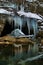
(28,24)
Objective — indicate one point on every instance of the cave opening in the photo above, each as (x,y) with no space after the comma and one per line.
(8,27)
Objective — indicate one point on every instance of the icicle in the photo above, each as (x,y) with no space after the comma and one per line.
(15,20)
(22,8)
(28,24)
(34,24)
(18,21)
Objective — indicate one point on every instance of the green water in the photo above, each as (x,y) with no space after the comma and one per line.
(7,58)
(12,61)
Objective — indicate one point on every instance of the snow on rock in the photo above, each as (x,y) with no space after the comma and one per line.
(3,11)
(41,26)
(31,0)
(17,32)
(29,15)
(42,23)
(39,21)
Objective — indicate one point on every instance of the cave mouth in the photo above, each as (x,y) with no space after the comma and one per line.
(25,29)
(7,28)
